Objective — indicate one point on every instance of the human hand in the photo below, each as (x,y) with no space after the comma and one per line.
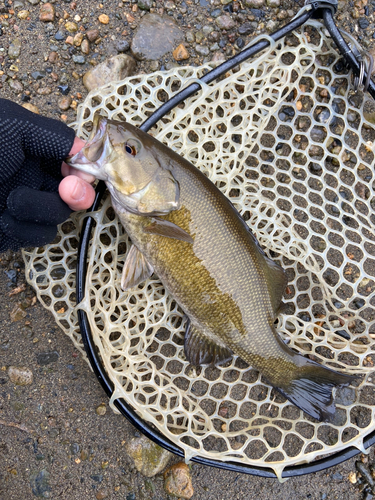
(32,149)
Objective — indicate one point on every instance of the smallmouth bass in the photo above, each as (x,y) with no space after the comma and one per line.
(186,231)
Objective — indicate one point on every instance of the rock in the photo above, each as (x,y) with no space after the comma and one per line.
(31,107)
(71,27)
(155,37)
(101,494)
(225,22)
(59,36)
(38,75)
(255,4)
(64,89)
(149,458)
(17,313)
(246,29)
(273,3)
(103,18)
(44,91)
(180,53)
(218,58)
(101,409)
(53,57)
(45,358)
(77,40)
(19,375)
(122,46)
(177,481)
(47,13)
(79,59)
(40,483)
(18,4)
(113,69)
(14,48)
(145,4)
(17,87)
(202,50)
(85,46)
(34,2)
(23,14)
(92,35)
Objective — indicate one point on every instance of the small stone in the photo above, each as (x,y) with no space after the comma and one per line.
(45,358)
(154,65)
(85,46)
(23,14)
(47,13)
(64,89)
(17,87)
(44,91)
(202,50)
(77,40)
(40,483)
(190,38)
(145,4)
(59,36)
(53,57)
(17,313)
(92,35)
(180,53)
(149,458)
(19,375)
(79,59)
(352,477)
(34,2)
(103,18)
(14,48)
(273,3)
(69,40)
(101,494)
(31,107)
(246,29)
(18,4)
(256,4)
(155,37)
(177,481)
(71,27)
(225,22)
(38,75)
(113,69)
(363,23)
(122,46)
(101,409)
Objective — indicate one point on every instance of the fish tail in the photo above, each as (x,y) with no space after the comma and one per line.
(312,389)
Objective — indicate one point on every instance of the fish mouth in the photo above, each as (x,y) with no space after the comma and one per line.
(91,157)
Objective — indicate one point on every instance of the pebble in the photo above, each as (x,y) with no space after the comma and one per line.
(17,87)
(256,4)
(149,458)
(77,40)
(225,22)
(202,50)
(14,48)
(31,107)
(122,45)
(144,4)
(40,483)
(19,375)
(155,37)
(85,47)
(47,13)
(53,57)
(180,53)
(44,91)
(45,358)
(177,481)
(23,14)
(113,69)
(64,89)
(38,75)
(79,59)
(71,27)
(17,313)
(101,409)
(103,18)
(101,494)
(92,35)
(59,36)
(246,29)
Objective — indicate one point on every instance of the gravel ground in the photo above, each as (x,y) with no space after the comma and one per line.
(58,437)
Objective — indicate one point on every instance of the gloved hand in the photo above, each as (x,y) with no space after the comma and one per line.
(32,149)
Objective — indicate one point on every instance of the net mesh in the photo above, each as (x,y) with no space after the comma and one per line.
(285,138)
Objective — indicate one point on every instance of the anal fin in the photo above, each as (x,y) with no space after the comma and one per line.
(201,350)
(136,269)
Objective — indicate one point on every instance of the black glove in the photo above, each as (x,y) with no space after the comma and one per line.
(32,149)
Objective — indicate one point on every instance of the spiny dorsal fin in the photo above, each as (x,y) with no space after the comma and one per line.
(136,269)
(200,350)
(165,228)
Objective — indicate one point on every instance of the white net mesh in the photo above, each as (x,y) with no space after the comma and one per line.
(285,138)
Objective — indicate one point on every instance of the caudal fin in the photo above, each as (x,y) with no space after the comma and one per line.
(312,390)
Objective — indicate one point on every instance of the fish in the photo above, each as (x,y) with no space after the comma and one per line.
(187,232)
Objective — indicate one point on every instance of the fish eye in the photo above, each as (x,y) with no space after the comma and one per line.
(132,147)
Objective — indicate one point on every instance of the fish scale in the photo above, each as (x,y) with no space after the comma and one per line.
(207,258)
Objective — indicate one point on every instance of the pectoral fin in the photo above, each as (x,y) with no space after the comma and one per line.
(165,228)
(200,350)
(136,269)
